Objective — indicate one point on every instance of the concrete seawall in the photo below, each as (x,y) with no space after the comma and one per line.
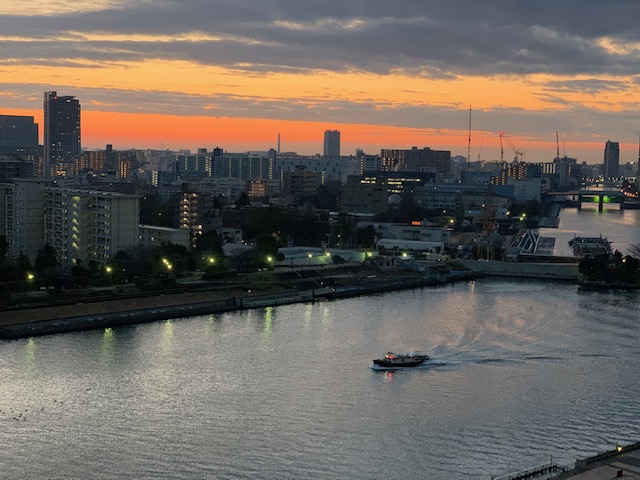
(115,313)
(555,271)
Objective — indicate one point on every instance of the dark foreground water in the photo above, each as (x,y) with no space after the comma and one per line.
(521,371)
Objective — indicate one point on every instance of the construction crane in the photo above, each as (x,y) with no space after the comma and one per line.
(519,154)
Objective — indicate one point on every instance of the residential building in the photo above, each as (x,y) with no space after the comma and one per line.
(368,163)
(25,227)
(611,160)
(62,145)
(244,166)
(327,168)
(89,226)
(331,143)
(259,189)
(365,197)
(18,136)
(154,236)
(16,168)
(417,160)
(300,183)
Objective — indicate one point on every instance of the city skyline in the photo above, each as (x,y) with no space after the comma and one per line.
(161,75)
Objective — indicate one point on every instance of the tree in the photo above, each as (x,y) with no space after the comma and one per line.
(46,259)
(4,248)
(365,237)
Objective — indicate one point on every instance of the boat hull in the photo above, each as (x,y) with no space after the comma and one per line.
(404,363)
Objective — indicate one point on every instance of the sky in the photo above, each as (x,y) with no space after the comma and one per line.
(183,74)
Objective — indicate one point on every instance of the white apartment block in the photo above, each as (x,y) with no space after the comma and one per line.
(153,236)
(84,226)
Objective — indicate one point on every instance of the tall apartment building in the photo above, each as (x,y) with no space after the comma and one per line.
(18,136)
(62,145)
(611,159)
(331,143)
(84,226)
(243,166)
(25,228)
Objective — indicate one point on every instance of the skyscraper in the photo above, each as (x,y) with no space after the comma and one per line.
(611,160)
(331,143)
(62,145)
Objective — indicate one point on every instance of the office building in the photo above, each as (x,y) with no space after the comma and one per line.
(331,143)
(611,160)
(62,147)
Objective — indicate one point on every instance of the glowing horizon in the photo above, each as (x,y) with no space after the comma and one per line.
(147,81)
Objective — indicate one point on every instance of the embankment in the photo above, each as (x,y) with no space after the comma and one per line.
(51,319)
(550,271)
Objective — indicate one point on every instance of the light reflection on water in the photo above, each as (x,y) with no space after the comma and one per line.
(527,368)
(520,371)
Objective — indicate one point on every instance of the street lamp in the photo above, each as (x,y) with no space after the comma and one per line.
(167,264)
(30,278)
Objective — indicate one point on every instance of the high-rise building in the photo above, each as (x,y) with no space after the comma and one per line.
(18,136)
(331,143)
(62,145)
(611,159)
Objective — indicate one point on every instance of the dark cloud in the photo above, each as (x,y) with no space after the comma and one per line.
(431,37)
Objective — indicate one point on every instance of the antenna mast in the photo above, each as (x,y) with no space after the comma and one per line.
(557,146)
(469,144)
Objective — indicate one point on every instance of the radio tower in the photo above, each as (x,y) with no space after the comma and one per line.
(469,144)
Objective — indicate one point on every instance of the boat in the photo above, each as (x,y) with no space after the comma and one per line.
(400,360)
(590,246)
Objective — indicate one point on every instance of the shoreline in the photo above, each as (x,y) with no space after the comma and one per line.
(259,290)
(114,312)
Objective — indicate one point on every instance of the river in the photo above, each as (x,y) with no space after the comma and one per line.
(522,372)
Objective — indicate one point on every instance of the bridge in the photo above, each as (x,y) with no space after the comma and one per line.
(601,197)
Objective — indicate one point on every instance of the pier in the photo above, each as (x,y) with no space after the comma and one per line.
(541,471)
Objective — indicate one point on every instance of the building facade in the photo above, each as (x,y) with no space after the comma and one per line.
(18,136)
(611,160)
(62,144)
(331,143)
(89,226)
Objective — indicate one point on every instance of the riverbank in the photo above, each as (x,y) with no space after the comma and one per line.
(263,289)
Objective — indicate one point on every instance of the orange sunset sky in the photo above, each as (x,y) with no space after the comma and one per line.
(189,74)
